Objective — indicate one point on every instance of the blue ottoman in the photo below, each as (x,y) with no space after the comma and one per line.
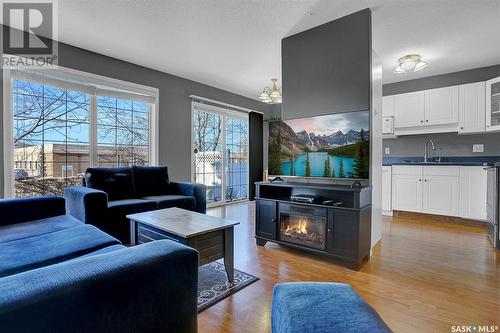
(302,307)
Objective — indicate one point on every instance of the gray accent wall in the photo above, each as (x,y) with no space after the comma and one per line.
(326,69)
(449,144)
(174,103)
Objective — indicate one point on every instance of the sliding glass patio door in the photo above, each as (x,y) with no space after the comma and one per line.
(220,153)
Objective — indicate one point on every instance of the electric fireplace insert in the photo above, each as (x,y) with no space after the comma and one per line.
(303,226)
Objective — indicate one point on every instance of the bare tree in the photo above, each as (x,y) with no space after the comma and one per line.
(47,114)
(207,125)
(44,110)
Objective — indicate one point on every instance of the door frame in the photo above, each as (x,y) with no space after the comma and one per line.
(224,113)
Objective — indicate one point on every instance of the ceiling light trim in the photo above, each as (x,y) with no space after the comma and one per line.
(410,63)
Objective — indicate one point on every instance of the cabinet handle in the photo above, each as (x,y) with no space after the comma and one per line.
(427,120)
(462,127)
(422,121)
(425,180)
(273,220)
(330,230)
(420,180)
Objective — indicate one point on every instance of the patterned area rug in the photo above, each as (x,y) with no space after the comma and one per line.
(213,285)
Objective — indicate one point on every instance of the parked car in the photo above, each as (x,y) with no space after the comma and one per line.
(20,174)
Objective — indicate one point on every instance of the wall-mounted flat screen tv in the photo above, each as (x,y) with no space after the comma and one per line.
(331,146)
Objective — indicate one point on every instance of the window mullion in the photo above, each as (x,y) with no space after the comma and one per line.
(93,130)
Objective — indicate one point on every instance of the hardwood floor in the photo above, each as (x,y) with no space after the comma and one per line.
(422,276)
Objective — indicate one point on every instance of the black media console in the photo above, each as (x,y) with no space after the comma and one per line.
(337,223)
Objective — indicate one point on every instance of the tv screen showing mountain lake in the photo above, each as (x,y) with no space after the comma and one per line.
(331,146)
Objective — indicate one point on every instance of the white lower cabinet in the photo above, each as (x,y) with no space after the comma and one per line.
(473,180)
(441,195)
(407,188)
(386,190)
(441,190)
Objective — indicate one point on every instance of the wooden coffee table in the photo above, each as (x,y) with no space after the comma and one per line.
(211,236)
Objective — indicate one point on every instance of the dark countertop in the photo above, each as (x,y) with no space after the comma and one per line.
(448,160)
(441,163)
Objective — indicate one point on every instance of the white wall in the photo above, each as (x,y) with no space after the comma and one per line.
(376,149)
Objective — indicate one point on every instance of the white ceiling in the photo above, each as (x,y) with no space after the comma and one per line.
(235,45)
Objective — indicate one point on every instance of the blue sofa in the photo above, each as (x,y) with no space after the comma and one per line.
(58,274)
(109,194)
(322,307)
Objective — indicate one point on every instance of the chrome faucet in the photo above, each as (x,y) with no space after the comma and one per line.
(426,153)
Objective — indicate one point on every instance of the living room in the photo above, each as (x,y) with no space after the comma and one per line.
(250,166)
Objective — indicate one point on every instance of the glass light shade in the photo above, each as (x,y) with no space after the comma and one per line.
(408,65)
(275,94)
(398,70)
(263,97)
(420,65)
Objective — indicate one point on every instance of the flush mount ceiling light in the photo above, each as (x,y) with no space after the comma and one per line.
(271,95)
(409,63)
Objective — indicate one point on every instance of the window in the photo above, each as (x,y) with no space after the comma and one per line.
(67,170)
(122,132)
(220,152)
(51,127)
(61,125)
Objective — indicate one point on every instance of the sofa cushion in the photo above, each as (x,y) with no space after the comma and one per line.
(108,249)
(170,200)
(36,228)
(17,210)
(130,206)
(118,183)
(151,180)
(34,252)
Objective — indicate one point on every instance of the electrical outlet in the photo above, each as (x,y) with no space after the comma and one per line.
(387,150)
(478,148)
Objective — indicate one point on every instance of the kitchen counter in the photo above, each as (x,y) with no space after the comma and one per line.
(455,160)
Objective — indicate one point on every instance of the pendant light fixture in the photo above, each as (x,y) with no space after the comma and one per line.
(271,95)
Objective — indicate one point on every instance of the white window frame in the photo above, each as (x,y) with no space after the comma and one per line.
(103,84)
(224,113)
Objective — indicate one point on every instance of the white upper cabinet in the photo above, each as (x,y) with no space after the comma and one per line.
(409,109)
(388,106)
(468,108)
(493,104)
(472,109)
(441,106)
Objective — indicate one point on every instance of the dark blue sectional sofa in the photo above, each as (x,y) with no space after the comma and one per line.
(109,194)
(58,274)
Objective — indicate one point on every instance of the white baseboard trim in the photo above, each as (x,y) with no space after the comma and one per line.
(387,213)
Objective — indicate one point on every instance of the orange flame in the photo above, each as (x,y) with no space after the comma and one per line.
(300,227)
